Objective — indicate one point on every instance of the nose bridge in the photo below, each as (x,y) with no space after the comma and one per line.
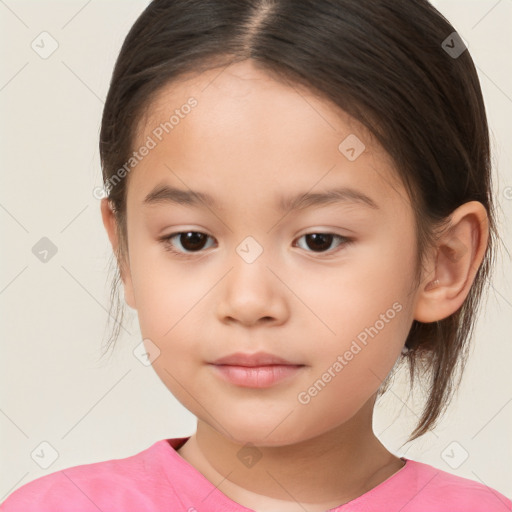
(249,266)
(251,291)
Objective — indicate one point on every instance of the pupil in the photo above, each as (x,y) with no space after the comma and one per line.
(192,240)
(323,238)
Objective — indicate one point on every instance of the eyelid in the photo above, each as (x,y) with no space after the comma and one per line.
(166,241)
(344,241)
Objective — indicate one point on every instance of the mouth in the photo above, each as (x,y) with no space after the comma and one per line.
(256,376)
(258,370)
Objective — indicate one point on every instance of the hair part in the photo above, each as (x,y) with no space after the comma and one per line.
(381,62)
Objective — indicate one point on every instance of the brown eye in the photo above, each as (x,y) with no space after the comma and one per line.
(187,243)
(190,242)
(320,242)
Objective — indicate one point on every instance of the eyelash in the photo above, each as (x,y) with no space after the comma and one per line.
(168,246)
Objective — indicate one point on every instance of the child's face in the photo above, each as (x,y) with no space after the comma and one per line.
(248,142)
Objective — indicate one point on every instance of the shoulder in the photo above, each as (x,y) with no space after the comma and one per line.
(434,489)
(107,485)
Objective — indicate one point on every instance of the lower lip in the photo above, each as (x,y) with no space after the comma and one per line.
(256,376)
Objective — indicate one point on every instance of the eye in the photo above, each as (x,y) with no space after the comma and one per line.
(190,241)
(194,241)
(321,241)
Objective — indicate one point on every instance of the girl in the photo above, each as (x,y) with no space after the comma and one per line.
(299,201)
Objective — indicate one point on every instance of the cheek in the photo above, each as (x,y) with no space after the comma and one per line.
(366,298)
(369,313)
(351,368)
(164,291)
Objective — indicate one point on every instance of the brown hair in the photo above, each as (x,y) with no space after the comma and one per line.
(384,62)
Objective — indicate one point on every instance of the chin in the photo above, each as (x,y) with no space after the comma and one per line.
(270,433)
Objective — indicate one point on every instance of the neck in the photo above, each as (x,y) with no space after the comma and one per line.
(329,469)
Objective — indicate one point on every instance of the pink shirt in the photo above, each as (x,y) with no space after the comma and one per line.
(159,479)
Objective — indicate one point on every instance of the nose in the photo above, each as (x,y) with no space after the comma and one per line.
(252,294)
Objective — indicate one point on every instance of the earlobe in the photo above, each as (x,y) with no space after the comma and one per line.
(458,255)
(110,223)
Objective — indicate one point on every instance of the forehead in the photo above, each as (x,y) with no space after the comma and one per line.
(247,129)
(231,92)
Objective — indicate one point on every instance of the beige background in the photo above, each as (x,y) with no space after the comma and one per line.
(54,388)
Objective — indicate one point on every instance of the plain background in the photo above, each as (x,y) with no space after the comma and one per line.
(55,389)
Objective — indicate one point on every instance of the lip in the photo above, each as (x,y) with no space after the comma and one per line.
(257,370)
(254,359)
(256,376)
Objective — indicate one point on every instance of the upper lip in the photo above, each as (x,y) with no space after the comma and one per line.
(254,359)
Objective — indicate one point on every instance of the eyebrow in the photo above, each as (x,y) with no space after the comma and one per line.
(163,194)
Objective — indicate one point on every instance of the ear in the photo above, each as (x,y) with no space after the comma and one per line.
(110,223)
(454,263)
